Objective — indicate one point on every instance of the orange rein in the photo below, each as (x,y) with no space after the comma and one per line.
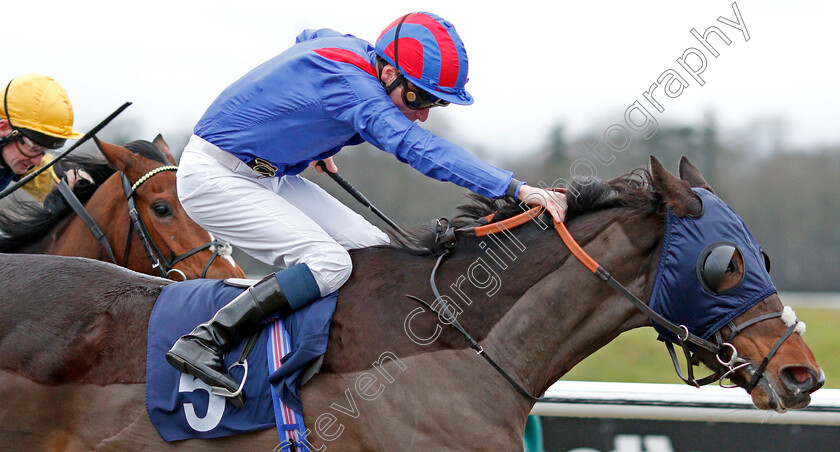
(512,222)
(681,331)
(524,217)
(579,253)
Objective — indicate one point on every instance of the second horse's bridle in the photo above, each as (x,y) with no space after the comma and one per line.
(164,265)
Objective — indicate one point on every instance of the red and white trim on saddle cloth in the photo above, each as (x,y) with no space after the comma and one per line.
(289,422)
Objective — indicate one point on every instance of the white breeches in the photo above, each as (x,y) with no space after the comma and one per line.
(282,221)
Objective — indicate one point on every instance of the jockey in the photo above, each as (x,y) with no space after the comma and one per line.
(35,117)
(239,174)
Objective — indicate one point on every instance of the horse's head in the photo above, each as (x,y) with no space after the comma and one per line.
(174,237)
(713,279)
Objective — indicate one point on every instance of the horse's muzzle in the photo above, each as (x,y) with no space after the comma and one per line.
(793,390)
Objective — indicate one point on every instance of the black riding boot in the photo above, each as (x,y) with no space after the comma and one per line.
(201,353)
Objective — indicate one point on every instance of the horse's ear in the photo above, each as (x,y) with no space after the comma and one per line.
(676,193)
(692,175)
(119,157)
(161,144)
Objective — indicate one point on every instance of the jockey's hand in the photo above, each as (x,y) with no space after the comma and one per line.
(78,176)
(328,162)
(554,201)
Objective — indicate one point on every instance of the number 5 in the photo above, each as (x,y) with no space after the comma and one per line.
(215,405)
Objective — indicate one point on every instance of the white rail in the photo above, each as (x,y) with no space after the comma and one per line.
(677,402)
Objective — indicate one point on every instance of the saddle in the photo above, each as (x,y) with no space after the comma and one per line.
(182,407)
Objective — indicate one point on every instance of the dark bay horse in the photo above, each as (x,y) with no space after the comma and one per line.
(175,244)
(395,376)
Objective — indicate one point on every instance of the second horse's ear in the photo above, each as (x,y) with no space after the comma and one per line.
(676,193)
(119,157)
(692,175)
(161,144)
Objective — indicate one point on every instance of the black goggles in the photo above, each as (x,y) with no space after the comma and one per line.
(416,98)
(42,139)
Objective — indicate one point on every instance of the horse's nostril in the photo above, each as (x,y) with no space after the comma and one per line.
(802,379)
(799,374)
(820,380)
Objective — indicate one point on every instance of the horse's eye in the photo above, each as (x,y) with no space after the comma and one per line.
(732,267)
(720,267)
(162,209)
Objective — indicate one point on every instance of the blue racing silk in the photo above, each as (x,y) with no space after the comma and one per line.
(6,176)
(320,95)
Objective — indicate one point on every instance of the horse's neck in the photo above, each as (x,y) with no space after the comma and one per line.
(73,238)
(46,242)
(534,308)
(569,313)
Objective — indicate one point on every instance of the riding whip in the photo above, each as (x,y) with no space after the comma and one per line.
(10,189)
(361,198)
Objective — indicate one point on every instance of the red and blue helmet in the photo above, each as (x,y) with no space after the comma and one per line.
(429,53)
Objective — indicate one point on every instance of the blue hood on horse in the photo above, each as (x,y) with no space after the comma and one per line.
(695,253)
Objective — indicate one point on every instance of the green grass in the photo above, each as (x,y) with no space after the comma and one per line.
(637,357)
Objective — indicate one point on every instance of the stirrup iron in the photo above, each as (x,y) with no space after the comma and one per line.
(224,392)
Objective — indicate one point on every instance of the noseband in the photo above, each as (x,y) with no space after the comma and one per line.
(725,353)
(735,362)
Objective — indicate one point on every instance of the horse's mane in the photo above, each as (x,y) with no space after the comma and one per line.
(147,149)
(24,222)
(632,190)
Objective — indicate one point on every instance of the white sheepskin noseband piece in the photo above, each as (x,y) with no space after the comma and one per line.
(224,250)
(789,317)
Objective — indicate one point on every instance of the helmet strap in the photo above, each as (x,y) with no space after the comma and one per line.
(400,78)
(6,103)
(396,44)
(10,138)
(393,85)
(408,96)
(15,135)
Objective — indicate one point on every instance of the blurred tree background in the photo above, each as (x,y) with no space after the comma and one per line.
(789,197)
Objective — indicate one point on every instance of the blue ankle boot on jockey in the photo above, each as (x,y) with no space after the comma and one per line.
(201,352)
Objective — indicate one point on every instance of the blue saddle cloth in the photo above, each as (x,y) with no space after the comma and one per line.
(182,407)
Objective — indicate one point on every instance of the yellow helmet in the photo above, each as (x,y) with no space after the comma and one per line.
(40,108)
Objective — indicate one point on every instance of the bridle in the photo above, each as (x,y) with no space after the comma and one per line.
(163,264)
(158,260)
(724,351)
